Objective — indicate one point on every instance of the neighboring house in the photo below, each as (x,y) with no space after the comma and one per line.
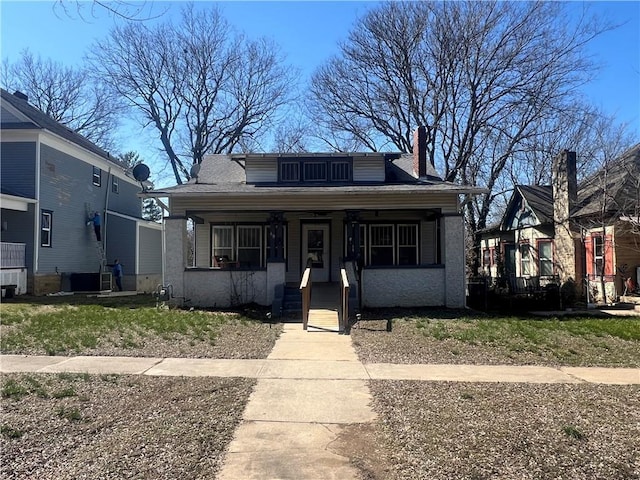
(588,235)
(259,218)
(52,181)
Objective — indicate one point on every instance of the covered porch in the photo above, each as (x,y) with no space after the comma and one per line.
(395,257)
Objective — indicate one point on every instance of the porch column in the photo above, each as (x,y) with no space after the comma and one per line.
(454,261)
(276,237)
(352,219)
(175,253)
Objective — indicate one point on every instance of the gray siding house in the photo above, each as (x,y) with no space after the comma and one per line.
(52,181)
(260,221)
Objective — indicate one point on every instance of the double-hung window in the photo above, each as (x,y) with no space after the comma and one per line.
(598,255)
(97,176)
(115,184)
(45,228)
(545,258)
(250,246)
(381,246)
(408,244)
(222,245)
(525,259)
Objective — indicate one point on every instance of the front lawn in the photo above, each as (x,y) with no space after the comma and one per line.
(440,337)
(131,326)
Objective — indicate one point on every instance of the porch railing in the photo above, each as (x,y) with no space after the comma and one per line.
(344,301)
(305,290)
(12,255)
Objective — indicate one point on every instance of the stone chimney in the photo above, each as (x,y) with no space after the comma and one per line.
(565,197)
(420,152)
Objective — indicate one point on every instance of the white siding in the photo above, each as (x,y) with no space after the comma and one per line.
(367,169)
(203,257)
(263,170)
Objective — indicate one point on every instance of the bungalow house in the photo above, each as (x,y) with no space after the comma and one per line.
(53,181)
(588,235)
(260,219)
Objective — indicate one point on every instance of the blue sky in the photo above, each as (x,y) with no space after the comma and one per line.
(309,32)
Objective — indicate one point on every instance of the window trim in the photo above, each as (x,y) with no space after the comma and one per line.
(49,230)
(213,246)
(542,241)
(366,237)
(329,164)
(115,184)
(601,257)
(521,247)
(97,176)
(260,247)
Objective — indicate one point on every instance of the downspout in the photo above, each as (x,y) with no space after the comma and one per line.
(36,214)
(104,221)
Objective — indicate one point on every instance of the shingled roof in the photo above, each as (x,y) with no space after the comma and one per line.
(616,187)
(40,120)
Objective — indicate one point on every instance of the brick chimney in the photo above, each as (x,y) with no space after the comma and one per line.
(420,152)
(565,197)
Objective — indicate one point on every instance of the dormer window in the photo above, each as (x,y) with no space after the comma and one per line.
(314,170)
(290,171)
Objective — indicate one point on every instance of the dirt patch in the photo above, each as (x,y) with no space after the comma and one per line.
(359,442)
(103,427)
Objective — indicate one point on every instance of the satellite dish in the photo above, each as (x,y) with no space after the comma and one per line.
(141,172)
(195,170)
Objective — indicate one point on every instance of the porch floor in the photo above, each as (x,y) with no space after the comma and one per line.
(323,311)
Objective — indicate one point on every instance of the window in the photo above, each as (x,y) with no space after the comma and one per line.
(250,246)
(45,228)
(525,259)
(97,176)
(340,171)
(598,255)
(315,171)
(115,187)
(290,171)
(222,245)
(407,244)
(267,234)
(381,246)
(545,258)
(486,257)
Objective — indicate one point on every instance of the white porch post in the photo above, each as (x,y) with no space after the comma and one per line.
(454,261)
(175,240)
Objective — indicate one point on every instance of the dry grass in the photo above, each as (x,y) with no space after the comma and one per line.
(110,427)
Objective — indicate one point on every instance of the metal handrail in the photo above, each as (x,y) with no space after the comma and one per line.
(305,290)
(344,300)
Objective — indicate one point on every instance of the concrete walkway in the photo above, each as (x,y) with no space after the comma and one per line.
(302,401)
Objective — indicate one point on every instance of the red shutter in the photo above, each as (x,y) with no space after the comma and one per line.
(588,246)
(608,255)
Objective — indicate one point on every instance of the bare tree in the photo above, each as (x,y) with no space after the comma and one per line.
(66,95)
(123,9)
(204,88)
(479,75)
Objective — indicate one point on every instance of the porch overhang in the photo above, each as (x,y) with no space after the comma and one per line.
(13,202)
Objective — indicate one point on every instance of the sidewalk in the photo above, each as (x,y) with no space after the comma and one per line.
(302,402)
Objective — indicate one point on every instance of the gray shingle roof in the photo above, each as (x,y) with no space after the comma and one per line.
(40,120)
(540,199)
(617,183)
(224,174)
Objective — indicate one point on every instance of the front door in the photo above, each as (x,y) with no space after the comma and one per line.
(315,246)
